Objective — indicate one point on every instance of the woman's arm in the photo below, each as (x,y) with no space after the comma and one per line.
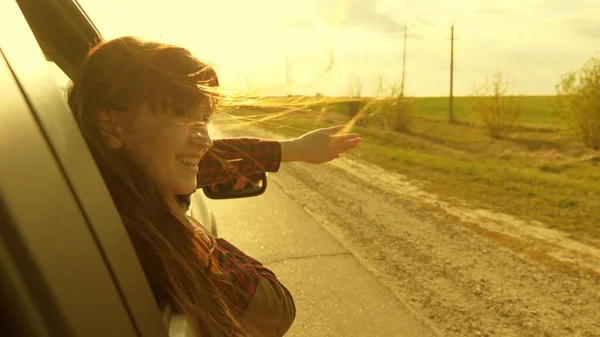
(234,157)
(267,306)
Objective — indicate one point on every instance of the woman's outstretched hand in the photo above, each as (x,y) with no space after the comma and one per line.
(319,146)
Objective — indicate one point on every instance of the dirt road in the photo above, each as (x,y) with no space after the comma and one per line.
(470,272)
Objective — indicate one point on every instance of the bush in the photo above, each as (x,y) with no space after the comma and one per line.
(579,101)
(493,108)
(354,105)
(390,112)
(395,112)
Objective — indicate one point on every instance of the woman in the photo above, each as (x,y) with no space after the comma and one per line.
(143,108)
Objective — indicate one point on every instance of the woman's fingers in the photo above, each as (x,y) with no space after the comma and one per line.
(347,145)
(332,130)
(345,137)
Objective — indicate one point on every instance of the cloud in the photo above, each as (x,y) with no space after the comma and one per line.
(294,23)
(584,27)
(561,6)
(360,14)
(425,22)
(490,11)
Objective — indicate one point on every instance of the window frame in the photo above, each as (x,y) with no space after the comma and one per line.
(62,239)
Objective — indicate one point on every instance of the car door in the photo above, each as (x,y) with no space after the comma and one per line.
(67,265)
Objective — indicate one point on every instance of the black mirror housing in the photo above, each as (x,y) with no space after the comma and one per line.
(241,187)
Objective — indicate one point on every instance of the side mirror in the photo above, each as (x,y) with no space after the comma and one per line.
(242,187)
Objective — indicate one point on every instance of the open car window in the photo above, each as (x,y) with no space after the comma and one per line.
(68,267)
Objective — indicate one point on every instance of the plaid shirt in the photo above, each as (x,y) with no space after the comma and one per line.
(243,272)
(267,305)
(231,158)
(226,160)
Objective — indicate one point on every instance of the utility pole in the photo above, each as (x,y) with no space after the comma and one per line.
(288,74)
(451,105)
(403,62)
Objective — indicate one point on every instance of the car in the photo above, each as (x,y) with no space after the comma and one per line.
(67,265)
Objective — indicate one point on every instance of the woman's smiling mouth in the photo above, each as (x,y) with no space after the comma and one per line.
(189,160)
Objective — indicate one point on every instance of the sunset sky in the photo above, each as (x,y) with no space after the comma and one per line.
(534,41)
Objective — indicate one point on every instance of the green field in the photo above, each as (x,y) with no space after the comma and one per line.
(537,172)
(538,110)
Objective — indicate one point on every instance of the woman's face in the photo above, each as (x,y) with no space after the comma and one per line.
(168,146)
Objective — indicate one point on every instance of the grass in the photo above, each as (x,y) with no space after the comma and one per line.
(539,110)
(539,172)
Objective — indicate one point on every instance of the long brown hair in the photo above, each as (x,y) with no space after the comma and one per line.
(120,74)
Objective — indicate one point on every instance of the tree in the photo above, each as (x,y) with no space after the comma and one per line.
(379,87)
(395,110)
(493,108)
(354,87)
(579,101)
(392,111)
(354,91)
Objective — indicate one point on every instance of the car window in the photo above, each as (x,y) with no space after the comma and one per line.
(61,79)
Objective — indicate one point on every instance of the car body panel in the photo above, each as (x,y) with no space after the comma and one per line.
(64,247)
(199,210)
(89,281)
(75,161)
